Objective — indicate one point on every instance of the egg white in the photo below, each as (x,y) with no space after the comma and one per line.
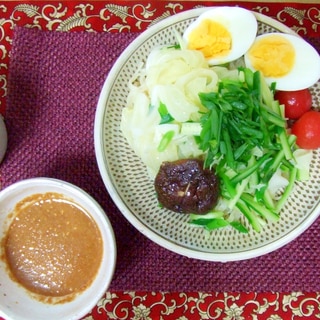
(306,69)
(241,24)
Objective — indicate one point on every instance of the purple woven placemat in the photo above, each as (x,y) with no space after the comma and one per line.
(53,88)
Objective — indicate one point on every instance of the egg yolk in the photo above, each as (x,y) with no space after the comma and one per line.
(210,37)
(274,56)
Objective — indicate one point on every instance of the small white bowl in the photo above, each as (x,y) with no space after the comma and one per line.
(3,138)
(16,303)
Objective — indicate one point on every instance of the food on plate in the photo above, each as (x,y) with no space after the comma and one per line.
(226,115)
(229,118)
(296,103)
(166,87)
(222,34)
(286,59)
(185,186)
(307,130)
(52,247)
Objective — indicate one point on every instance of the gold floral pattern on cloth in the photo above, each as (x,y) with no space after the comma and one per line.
(138,16)
(311,15)
(198,305)
(124,16)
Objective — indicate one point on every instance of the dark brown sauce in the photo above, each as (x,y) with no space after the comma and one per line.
(53,247)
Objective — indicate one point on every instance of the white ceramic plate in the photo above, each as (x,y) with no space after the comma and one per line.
(127,181)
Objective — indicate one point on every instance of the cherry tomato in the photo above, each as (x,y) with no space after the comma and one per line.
(296,102)
(307,130)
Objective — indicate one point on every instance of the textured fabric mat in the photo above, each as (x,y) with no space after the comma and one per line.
(53,88)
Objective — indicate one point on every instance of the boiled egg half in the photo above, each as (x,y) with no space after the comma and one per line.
(286,59)
(222,34)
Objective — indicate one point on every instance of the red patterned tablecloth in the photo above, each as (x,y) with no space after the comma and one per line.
(127,16)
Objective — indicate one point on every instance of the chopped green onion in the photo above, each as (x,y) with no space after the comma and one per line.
(250,215)
(287,192)
(239,226)
(260,209)
(243,117)
(164,114)
(166,139)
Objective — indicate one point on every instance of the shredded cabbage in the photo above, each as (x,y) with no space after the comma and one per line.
(173,78)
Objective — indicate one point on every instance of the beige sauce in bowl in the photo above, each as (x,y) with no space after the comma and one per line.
(53,247)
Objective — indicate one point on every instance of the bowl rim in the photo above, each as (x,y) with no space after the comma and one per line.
(108,262)
(3,138)
(106,175)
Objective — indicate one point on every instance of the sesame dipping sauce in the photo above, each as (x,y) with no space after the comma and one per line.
(53,247)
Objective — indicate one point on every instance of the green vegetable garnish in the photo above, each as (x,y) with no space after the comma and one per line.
(245,139)
(164,114)
(167,137)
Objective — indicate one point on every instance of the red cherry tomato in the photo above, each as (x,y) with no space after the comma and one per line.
(307,130)
(296,102)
